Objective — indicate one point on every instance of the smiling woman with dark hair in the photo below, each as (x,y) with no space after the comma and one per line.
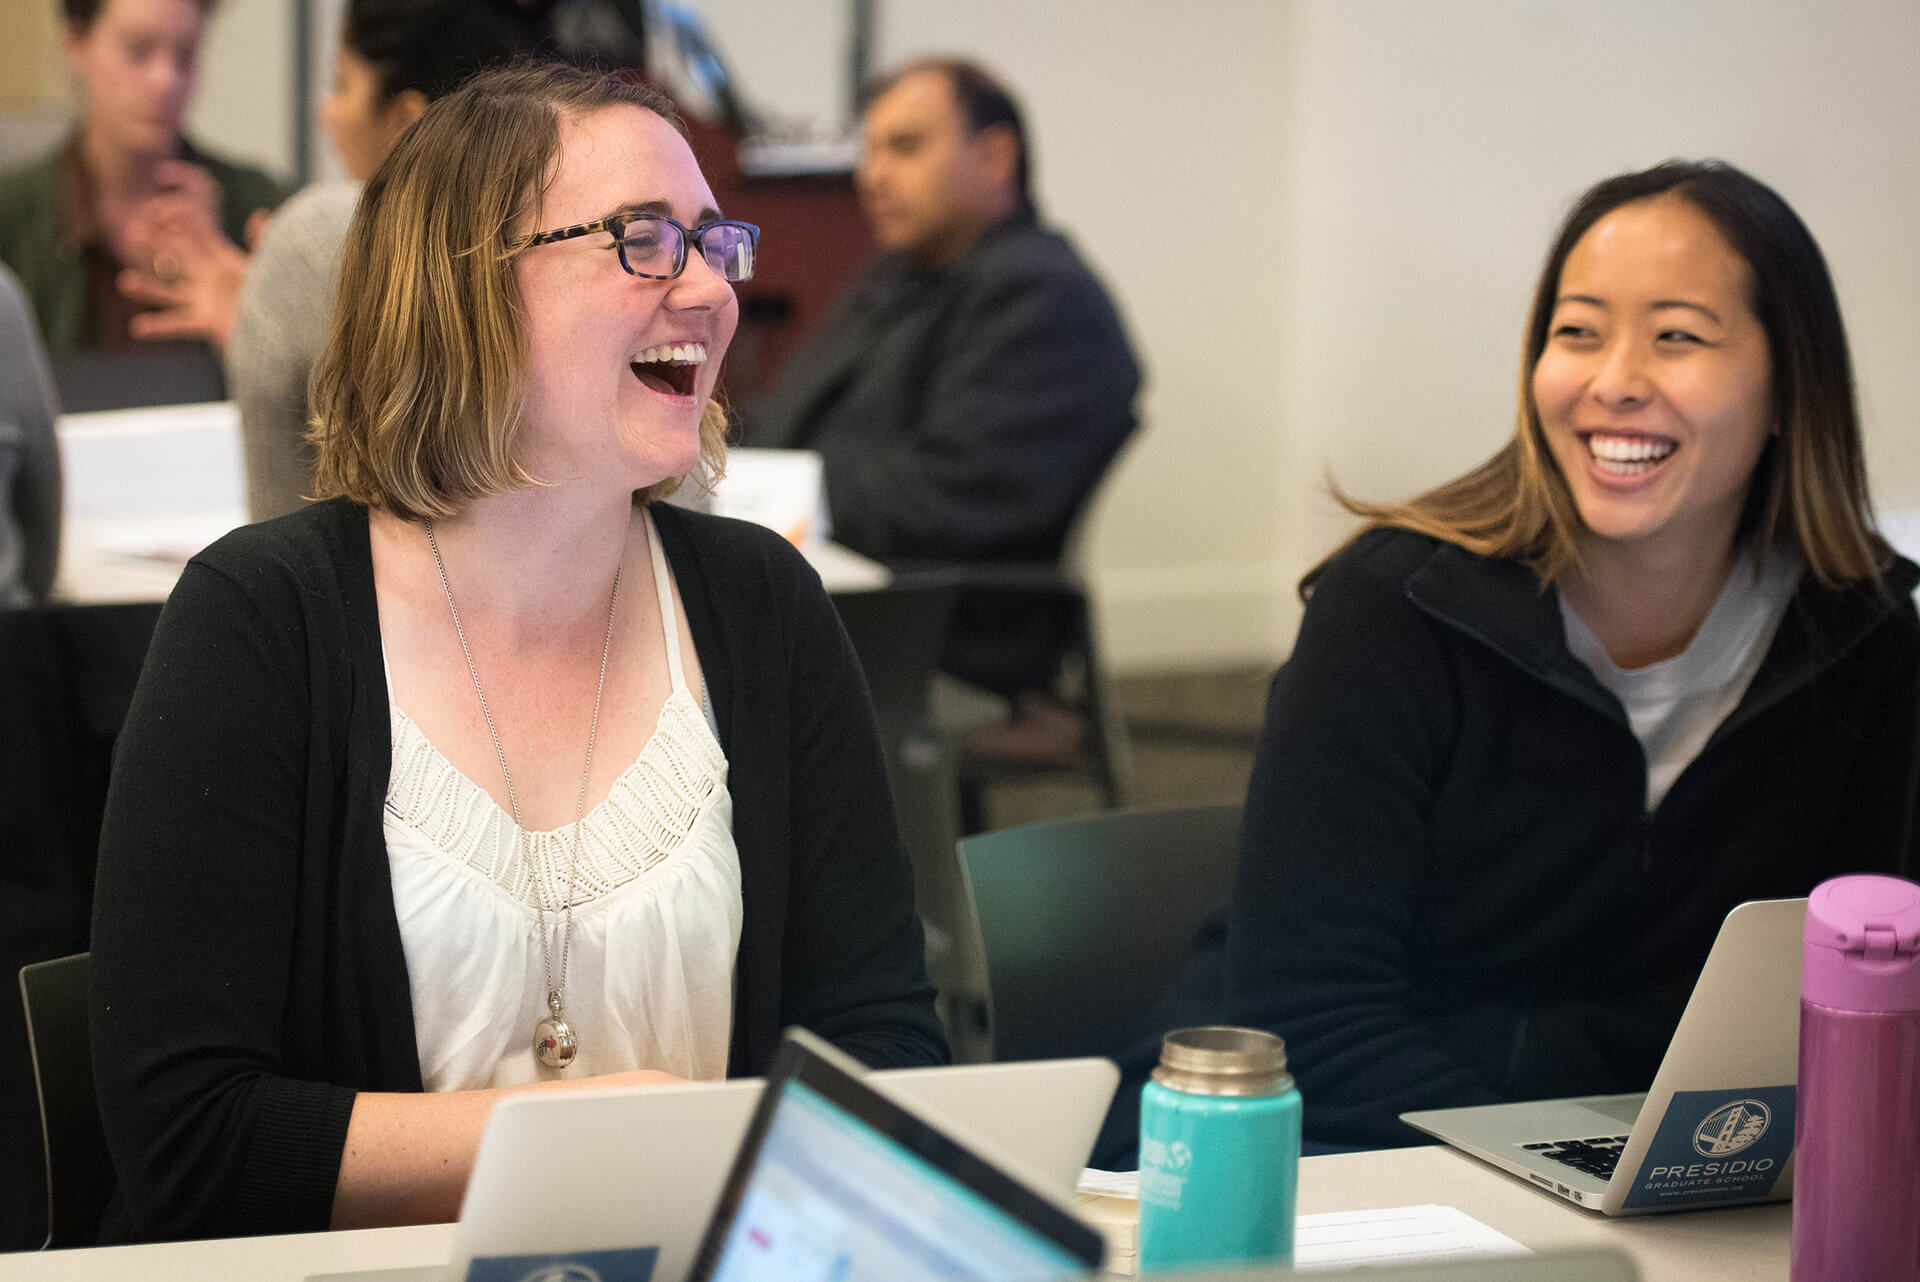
(1545,725)
(489,773)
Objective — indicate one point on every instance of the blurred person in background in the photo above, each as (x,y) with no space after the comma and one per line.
(970,388)
(394,57)
(79,225)
(29,456)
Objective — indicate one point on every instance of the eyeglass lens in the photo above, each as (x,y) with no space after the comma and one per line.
(655,247)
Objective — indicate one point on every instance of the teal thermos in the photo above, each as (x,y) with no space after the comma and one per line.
(1219,1151)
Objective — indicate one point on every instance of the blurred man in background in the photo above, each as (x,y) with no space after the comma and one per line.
(971,387)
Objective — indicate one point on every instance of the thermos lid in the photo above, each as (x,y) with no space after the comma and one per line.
(1863,944)
(1220,1060)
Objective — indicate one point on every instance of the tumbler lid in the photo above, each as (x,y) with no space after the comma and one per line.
(1863,944)
(1220,1060)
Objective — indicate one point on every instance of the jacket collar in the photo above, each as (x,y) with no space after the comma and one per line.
(1499,603)
(1821,626)
(1503,606)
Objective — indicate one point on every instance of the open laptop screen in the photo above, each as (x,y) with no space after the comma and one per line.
(830,1197)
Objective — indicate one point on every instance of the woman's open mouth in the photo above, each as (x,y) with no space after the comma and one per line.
(669,368)
(1629,454)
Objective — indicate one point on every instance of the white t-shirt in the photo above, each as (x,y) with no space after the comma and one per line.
(1675,705)
(656,907)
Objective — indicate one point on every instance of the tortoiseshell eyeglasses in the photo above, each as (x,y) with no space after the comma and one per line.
(655,246)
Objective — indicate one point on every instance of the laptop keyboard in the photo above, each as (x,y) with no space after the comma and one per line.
(1597,1157)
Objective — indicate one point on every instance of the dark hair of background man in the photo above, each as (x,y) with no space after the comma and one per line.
(983,101)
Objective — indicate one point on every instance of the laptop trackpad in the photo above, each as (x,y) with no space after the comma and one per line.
(1624,1109)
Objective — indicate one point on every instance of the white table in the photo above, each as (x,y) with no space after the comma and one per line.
(97,567)
(147,488)
(1745,1243)
(1748,1243)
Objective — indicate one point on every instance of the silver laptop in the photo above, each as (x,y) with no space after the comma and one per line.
(645,1166)
(1717,1127)
(835,1181)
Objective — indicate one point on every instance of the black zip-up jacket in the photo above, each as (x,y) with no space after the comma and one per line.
(1451,891)
(966,414)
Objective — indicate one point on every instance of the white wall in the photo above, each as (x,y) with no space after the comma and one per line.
(1395,168)
(790,59)
(243,106)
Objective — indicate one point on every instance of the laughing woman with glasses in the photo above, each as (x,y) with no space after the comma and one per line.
(489,773)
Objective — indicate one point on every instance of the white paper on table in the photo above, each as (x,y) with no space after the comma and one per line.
(1334,1239)
(844,570)
(1396,1235)
(1109,1183)
(167,540)
(785,490)
(158,462)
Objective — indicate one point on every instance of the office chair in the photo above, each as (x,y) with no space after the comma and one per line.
(173,373)
(1105,760)
(897,632)
(1085,922)
(80,1175)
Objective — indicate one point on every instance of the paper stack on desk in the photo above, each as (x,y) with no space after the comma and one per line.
(1109,1200)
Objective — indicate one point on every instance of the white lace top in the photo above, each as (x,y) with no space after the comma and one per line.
(656,906)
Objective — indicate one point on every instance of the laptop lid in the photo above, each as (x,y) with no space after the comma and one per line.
(1731,1066)
(645,1166)
(835,1180)
(1717,1126)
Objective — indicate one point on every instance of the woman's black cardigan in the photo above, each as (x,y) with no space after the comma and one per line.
(248,974)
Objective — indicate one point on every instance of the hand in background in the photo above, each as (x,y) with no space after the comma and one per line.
(189,272)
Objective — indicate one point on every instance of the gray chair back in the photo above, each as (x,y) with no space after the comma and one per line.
(1106,759)
(79,1171)
(171,373)
(1085,922)
(897,632)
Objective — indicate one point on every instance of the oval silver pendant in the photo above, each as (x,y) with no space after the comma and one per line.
(553,1039)
(554,1042)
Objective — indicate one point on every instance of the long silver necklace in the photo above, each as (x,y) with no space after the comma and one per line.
(554,1040)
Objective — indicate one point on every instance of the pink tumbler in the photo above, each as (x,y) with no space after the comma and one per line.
(1856,1179)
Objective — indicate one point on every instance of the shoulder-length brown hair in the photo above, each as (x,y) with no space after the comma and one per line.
(417,394)
(1809,490)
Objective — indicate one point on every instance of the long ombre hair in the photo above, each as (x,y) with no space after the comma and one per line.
(417,394)
(1809,490)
